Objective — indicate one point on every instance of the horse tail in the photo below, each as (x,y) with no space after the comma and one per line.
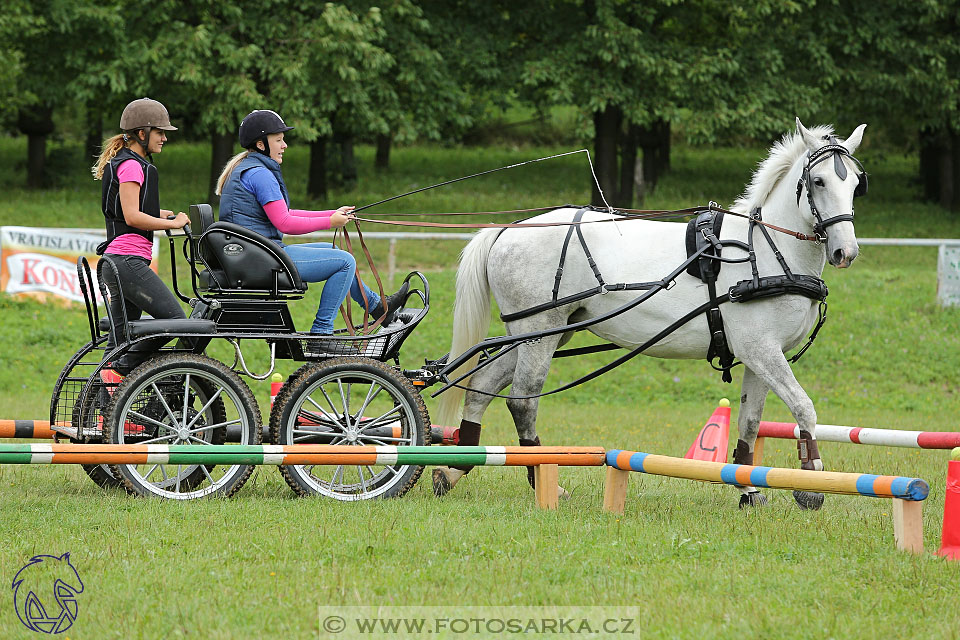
(471,318)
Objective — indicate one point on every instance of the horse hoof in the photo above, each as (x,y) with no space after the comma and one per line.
(752,499)
(563,494)
(808,500)
(444,479)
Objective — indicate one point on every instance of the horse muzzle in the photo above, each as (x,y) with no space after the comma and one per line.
(844,256)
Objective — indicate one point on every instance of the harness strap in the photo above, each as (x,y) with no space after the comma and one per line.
(563,252)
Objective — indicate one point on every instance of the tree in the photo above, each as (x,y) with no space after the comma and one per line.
(903,60)
(51,44)
(716,67)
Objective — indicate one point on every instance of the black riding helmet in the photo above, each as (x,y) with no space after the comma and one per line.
(257,125)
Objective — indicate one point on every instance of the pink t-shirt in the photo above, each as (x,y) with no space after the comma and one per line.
(131,244)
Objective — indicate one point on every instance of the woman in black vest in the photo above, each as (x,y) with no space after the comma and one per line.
(131,206)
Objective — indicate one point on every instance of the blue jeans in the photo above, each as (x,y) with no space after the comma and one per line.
(321,261)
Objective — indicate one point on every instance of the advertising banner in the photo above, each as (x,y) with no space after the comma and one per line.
(42,262)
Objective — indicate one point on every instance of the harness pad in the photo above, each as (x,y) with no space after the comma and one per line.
(807,286)
(704,231)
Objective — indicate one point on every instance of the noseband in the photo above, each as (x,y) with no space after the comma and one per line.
(838,151)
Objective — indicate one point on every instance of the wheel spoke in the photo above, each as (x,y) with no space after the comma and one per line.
(160,439)
(346,401)
(363,484)
(179,477)
(203,467)
(219,425)
(141,417)
(329,401)
(376,421)
(305,417)
(186,396)
(385,439)
(163,401)
(205,407)
(149,473)
(371,394)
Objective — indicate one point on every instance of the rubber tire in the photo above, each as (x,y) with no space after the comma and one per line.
(88,414)
(130,388)
(306,376)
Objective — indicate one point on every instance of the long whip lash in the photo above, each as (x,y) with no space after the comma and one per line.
(483,173)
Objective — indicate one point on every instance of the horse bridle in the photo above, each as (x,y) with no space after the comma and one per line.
(838,152)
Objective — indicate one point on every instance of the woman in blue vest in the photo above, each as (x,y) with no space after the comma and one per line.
(131,207)
(253,194)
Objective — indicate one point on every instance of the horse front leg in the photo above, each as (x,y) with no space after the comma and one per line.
(492,378)
(771,366)
(533,365)
(753,395)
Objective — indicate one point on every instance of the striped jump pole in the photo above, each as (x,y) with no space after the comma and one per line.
(907,493)
(858,435)
(37,429)
(545,460)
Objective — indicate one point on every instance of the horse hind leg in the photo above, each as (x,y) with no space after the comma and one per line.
(533,365)
(753,395)
(772,367)
(492,378)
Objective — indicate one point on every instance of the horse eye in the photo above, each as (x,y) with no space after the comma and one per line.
(818,182)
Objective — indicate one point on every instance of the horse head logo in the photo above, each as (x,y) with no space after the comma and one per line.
(39,584)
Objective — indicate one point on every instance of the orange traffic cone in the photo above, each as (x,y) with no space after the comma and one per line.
(714,438)
(950,538)
(276,383)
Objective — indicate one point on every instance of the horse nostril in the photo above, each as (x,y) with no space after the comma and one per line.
(837,256)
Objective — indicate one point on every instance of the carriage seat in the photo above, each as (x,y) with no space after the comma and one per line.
(239,261)
(148,326)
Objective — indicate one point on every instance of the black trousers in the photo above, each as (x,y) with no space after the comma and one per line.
(143,291)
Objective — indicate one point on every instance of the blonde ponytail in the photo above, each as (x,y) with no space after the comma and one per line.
(111,147)
(228,169)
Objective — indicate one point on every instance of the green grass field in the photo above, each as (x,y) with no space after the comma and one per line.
(682,559)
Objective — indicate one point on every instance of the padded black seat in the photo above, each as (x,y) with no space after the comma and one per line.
(192,326)
(147,326)
(241,261)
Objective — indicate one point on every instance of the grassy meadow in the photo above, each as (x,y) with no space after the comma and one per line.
(682,560)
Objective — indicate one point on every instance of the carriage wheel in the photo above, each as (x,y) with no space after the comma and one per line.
(86,418)
(182,399)
(357,401)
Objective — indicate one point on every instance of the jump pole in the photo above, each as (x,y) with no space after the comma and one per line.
(907,493)
(37,429)
(857,435)
(545,460)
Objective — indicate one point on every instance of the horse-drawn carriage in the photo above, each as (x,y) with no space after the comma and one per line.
(157,386)
(655,288)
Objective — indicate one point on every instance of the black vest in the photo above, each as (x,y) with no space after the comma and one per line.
(110,204)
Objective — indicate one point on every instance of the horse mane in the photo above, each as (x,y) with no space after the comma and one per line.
(770,171)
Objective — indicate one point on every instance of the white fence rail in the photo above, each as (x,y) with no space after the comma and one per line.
(948,259)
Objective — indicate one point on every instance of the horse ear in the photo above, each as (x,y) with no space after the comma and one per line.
(808,138)
(854,140)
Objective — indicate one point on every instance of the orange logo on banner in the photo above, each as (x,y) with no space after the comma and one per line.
(714,438)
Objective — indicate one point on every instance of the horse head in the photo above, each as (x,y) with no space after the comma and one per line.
(831,178)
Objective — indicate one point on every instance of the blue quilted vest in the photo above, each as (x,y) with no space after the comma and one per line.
(239,206)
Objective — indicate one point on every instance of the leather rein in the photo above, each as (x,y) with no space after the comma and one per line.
(632,214)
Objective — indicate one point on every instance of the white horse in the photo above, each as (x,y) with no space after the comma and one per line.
(519,265)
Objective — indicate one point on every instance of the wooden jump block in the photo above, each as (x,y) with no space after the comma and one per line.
(908,525)
(615,490)
(546,477)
